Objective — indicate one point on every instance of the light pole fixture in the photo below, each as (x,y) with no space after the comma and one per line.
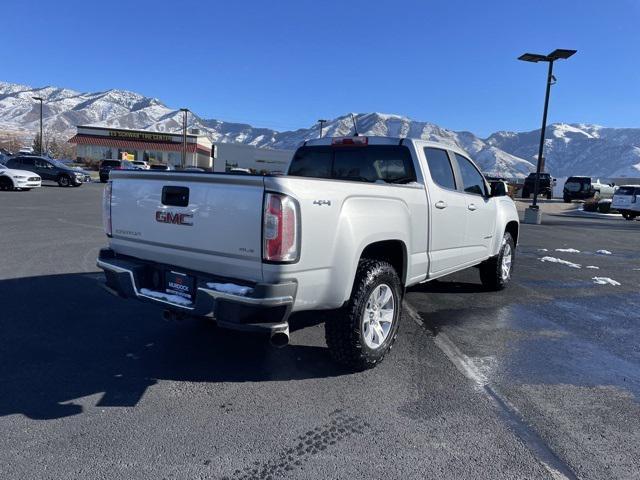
(322,122)
(533,214)
(184,111)
(41,147)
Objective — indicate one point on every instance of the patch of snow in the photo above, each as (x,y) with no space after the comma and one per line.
(593,267)
(167,297)
(603,252)
(230,288)
(567,250)
(560,261)
(605,281)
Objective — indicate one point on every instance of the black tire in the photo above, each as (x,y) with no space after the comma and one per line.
(628,216)
(64,180)
(491,274)
(549,195)
(566,199)
(344,328)
(6,183)
(604,208)
(525,193)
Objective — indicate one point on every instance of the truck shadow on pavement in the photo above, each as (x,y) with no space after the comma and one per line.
(64,338)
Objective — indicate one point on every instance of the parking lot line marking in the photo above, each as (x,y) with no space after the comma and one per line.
(557,468)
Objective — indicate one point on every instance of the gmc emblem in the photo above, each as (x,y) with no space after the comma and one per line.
(174,218)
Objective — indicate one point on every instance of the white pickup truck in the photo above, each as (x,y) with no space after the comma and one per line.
(355,222)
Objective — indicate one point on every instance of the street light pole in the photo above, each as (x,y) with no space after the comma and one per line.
(40,146)
(184,137)
(536,184)
(533,214)
(322,122)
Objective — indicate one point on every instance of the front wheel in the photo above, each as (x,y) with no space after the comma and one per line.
(628,215)
(362,333)
(549,195)
(496,272)
(566,199)
(6,183)
(64,181)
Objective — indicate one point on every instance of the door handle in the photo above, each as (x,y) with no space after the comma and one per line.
(471,207)
(440,204)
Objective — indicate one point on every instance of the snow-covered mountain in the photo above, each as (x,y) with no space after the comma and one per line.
(578,149)
(570,149)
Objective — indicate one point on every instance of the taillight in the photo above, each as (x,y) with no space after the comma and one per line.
(106,209)
(280,229)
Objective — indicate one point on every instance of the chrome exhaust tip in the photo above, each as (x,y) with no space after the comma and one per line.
(280,338)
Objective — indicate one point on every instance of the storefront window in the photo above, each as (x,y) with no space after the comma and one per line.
(153,156)
(174,158)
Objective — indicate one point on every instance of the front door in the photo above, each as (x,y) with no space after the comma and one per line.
(481,211)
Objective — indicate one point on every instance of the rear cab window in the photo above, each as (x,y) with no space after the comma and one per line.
(371,163)
(440,167)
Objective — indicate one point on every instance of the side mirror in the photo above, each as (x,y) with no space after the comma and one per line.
(498,189)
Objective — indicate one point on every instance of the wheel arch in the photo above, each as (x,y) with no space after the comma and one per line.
(392,251)
(513,228)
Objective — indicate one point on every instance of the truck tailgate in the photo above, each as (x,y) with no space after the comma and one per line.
(216,228)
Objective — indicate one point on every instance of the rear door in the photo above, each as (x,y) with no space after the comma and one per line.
(203,222)
(45,169)
(448,213)
(480,211)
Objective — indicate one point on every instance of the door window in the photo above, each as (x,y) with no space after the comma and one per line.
(27,162)
(472,179)
(440,167)
(43,164)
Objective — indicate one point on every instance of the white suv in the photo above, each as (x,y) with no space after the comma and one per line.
(627,201)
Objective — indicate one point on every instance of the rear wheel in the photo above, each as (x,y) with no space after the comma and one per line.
(6,183)
(495,273)
(604,207)
(628,215)
(362,333)
(64,181)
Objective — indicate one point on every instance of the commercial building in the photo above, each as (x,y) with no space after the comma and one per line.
(258,160)
(99,143)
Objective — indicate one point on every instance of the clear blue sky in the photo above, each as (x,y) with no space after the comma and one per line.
(284,64)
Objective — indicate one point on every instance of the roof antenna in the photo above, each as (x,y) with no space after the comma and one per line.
(355,126)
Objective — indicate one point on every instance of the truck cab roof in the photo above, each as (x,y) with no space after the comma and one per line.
(363,140)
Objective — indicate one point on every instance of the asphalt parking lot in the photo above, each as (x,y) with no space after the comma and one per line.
(539,381)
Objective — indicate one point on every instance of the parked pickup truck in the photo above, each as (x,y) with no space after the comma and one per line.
(355,222)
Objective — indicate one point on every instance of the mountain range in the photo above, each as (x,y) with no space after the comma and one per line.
(570,149)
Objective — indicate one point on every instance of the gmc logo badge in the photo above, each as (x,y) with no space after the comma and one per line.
(174,218)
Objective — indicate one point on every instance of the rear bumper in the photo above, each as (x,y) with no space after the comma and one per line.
(266,308)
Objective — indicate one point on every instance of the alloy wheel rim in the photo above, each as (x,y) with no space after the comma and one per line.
(506,262)
(378,316)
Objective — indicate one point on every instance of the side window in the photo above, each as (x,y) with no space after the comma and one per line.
(440,167)
(27,162)
(42,164)
(311,163)
(472,180)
